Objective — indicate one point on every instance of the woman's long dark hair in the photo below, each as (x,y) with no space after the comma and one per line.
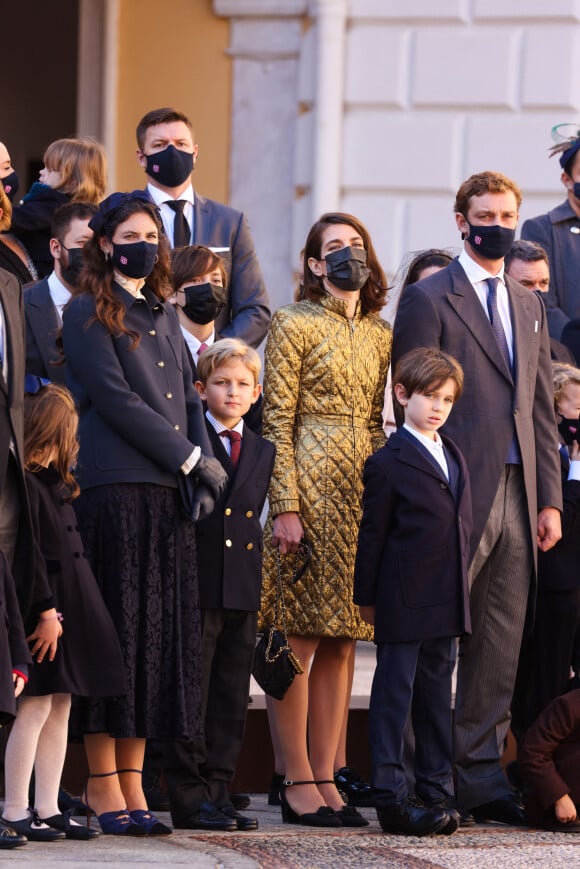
(374,293)
(96,278)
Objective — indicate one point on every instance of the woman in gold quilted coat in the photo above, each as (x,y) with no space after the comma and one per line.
(325,371)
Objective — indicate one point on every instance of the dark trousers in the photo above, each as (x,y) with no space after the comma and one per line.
(546,656)
(199,771)
(412,679)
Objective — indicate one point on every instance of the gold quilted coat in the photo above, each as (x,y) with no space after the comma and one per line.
(324,385)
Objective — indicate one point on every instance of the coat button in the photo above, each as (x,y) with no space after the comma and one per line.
(249,514)
(443,485)
(161,364)
(176,427)
(228,511)
(168,395)
(228,543)
(249,545)
(152,332)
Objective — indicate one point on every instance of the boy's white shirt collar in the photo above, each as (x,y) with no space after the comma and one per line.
(435,447)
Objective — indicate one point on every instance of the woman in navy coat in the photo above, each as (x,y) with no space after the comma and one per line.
(141,426)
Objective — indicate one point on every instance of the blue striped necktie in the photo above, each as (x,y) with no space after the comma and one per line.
(495,320)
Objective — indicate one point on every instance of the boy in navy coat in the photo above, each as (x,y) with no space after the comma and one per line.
(229,564)
(411,583)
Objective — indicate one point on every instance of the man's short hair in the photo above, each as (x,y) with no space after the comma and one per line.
(159,116)
(563,374)
(426,368)
(65,214)
(225,351)
(527,251)
(484,182)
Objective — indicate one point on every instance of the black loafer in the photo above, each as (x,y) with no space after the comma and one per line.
(35,830)
(207,817)
(9,838)
(357,792)
(503,811)
(448,805)
(411,818)
(243,823)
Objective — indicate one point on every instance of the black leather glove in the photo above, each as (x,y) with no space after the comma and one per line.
(203,503)
(211,475)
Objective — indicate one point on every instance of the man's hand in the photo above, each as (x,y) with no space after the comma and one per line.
(549,528)
(564,809)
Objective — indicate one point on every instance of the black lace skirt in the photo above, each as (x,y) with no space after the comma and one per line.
(142,551)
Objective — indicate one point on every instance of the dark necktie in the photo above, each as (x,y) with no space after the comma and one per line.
(495,320)
(181,229)
(235,444)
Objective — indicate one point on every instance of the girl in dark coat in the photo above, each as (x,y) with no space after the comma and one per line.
(82,658)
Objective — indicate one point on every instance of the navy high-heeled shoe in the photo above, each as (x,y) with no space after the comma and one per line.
(145,818)
(117,823)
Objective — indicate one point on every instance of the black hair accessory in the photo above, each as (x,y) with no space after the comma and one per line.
(112,203)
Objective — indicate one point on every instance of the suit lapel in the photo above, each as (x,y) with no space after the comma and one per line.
(463,299)
(219,450)
(43,321)
(200,220)
(248,456)
(411,454)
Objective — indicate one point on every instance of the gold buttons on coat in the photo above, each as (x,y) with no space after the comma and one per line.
(161,364)
(228,511)
(176,427)
(249,514)
(152,332)
(168,395)
(249,545)
(228,543)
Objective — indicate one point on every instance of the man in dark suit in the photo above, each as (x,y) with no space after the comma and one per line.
(167,153)
(558,232)
(505,427)
(45,300)
(229,562)
(528,264)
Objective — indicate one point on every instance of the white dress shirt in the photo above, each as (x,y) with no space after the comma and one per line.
(219,427)
(167,214)
(58,293)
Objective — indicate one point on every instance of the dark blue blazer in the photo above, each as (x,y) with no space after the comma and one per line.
(413,546)
(229,541)
(140,416)
(247,313)
(42,328)
(558,569)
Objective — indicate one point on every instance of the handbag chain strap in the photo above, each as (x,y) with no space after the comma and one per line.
(280,611)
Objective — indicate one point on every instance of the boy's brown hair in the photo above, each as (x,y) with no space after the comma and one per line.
(426,368)
(223,352)
(194,261)
(51,421)
(563,375)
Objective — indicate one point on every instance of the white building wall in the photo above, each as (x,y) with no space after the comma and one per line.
(430,92)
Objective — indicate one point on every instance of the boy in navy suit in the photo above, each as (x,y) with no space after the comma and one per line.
(229,565)
(411,583)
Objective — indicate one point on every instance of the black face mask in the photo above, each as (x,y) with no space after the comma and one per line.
(75,263)
(491,242)
(170,167)
(134,260)
(203,302)
(11,185)
(570,430)
(347,268)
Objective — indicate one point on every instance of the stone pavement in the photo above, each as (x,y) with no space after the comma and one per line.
(284,846)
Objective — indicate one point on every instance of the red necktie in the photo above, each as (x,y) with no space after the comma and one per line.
(202,348)
(235,444)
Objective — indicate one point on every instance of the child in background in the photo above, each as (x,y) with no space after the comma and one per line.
(229,563)
(410,582)
(546,655)
(74,170)
(87,661)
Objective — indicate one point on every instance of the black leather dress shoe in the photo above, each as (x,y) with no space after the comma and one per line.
(504,811)
(357,791)
(448,805)
(207,817)
(242,822)
(240,801)
(36,830)
(9,838)
(411,818)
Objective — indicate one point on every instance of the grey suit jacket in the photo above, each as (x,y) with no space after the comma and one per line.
(247,315)
(444,311)
(42,328)
(558,232)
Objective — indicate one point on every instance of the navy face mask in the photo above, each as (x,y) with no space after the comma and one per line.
(134,260)
(570,430)
(11,185)
(492,242)
(170,167)
(347,268)
(203,302)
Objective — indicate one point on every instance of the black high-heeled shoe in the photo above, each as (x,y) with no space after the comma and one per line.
(323,817)
(117,823)
(348,815)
